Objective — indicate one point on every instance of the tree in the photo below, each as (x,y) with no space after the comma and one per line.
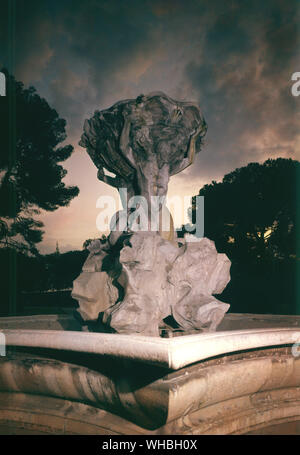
(30,176)
(251,216)
(252,212)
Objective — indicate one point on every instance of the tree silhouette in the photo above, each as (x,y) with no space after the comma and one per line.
(251,216)
(30,176)
(252,212)
(63,268)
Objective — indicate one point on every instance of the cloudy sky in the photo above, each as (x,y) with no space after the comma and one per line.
(234,58)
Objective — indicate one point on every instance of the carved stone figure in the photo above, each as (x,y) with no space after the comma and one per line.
(144,142)
(134,280)
(157,279)
(197,275)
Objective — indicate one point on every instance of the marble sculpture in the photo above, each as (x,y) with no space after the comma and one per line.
(132,281)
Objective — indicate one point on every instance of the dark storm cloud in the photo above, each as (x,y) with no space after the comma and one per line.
(73,50)
(243,81)
(234,58)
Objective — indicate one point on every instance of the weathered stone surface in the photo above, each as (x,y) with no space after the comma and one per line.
(137,279)
(158,279)
(231,394)
(197,274)
(170,353)
(144,278)
(144,141)
(94,292)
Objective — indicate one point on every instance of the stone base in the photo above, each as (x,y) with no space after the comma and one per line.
(243,381)
(238,394)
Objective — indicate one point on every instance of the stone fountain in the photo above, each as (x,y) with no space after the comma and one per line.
(240,377)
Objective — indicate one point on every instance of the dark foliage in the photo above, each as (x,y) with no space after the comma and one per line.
(251,215)
(26,278)
(30,176)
